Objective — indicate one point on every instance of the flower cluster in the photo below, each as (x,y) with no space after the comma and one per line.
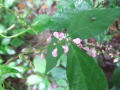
(78,42)
(92,52)
(60,36)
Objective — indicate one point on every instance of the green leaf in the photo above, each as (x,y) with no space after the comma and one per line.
(89,23)
(112,3)
(2,50)
(8,3)
(62,83)
(1,87)
(116,77)
(5,41)
(10,18)
(1,1)
(9,50)
(82,71)
(65,5)
(58,73)
(63,60)
(6,71)
(17,42)
(89,2)
(40,64)
(51,61)
(59,22)
(1,60)
(33,79)
(103,37)
(41,23)
(2,28)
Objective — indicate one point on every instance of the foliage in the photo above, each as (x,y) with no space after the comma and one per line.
(80,69)
(76,21)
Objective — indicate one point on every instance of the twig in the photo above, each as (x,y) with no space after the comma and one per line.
(11,60)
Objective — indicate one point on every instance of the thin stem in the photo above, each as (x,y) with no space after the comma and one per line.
(12,26)
(11,60)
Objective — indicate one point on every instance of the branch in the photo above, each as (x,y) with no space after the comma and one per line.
(11,60)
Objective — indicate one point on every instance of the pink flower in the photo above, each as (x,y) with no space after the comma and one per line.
(56,34)
(66,48)
(80,45)
(23,50)
(111,55)
(42,56)
(59,35)
(86,49)
(54,52)
(92,52)
(77,41)
(49,39)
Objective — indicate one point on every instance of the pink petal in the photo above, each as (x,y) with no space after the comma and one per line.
(80,45)
(49,39)
(77,41)
(66,48)
(86,49)
(111,55)
(61,35)
(42,56)
(54,52)
(92,52)
(56,34)
(94,55)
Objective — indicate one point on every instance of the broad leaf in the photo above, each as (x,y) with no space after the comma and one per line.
(58,73)
(9,50)
(41,23)
(33,79)
(82,71)
(116,77)
(89,23)
(50,60)
(59,22)
(5,41)
(16,42)
(39,64)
